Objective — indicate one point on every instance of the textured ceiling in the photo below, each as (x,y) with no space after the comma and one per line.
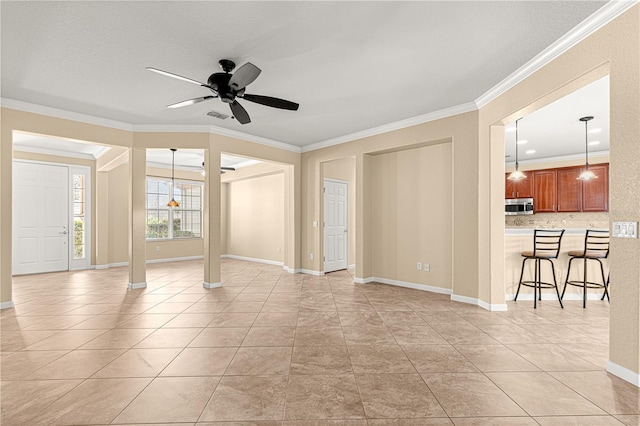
(352,66)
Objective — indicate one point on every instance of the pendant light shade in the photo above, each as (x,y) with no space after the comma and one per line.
(517,174)
(586,174)
(173,202)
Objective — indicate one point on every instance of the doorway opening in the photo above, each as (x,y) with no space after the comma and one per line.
(53,204)
(335,229)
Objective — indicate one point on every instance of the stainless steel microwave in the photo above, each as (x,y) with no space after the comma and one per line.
(518,206)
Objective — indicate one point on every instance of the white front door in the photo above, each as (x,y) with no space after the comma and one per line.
(40,218)
(335,225)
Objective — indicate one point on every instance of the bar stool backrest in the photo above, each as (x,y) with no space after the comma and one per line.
(595,240)
(546,242)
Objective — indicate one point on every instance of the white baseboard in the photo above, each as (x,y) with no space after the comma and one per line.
(624,373)
(311,272)
(405,284)
(135,286)
(211,285)
(175,259)
(168,259)
(353,266)
(291,270)
(252,259)
(493,307)
(7,305)
(551,295)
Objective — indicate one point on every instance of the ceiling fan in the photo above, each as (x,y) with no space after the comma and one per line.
(228,87)
(223,169)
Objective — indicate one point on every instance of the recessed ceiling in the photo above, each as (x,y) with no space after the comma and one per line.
(65,147)
(351,66)
(556,131)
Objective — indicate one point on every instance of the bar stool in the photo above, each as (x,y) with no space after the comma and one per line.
(546,246)
(596,247)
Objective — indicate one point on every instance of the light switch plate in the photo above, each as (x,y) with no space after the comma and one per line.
(625,229)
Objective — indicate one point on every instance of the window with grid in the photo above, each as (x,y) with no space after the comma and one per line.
(165,222)
(79,217)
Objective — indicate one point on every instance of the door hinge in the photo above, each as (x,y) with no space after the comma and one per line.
(324,189)
(324,259)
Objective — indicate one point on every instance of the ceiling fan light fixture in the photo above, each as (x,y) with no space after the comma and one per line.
(586,173)
(517,174)
(173,202)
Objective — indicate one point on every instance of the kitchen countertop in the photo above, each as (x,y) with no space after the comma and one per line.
(509,232)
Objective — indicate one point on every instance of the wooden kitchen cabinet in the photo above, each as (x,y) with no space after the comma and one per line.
(522,188)
(558,190)
(595,193)
(544,191)
(569,189)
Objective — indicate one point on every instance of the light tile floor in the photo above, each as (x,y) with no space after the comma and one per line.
(271,348)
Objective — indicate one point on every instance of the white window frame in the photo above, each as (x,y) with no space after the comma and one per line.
(85,263)
(172,209)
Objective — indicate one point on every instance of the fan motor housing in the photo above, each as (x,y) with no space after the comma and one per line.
(219,82)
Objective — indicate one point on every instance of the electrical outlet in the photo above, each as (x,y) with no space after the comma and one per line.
(419,266)
(310,256)
(427,267)
(157,248)
(279,250)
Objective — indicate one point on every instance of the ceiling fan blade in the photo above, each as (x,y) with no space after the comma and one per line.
(244,76)
(179,77)
(240,113)
(190,102)
(272,102)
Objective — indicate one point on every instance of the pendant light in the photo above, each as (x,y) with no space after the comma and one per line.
(586,174)
(517,174)
(173,202)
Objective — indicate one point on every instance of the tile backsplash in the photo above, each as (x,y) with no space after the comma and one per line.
(559,220)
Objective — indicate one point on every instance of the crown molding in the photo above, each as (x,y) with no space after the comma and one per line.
(64,114)
(569,157)
(253,138)
(425,118)
(584,29)
(206,128)
(90,119)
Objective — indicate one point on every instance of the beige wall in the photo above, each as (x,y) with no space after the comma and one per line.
(412,213)
(255,217)
(118,208)
(461,133)
(345,169)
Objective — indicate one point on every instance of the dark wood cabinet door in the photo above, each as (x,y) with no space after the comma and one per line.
(595,193)
(524,187)
(569,190)
(518,188)
(544,191)
(509,187)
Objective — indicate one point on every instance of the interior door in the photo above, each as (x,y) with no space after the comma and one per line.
(40,218)
(335,225)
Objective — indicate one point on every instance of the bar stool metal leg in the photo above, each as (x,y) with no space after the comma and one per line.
(520,282)
(555,282)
